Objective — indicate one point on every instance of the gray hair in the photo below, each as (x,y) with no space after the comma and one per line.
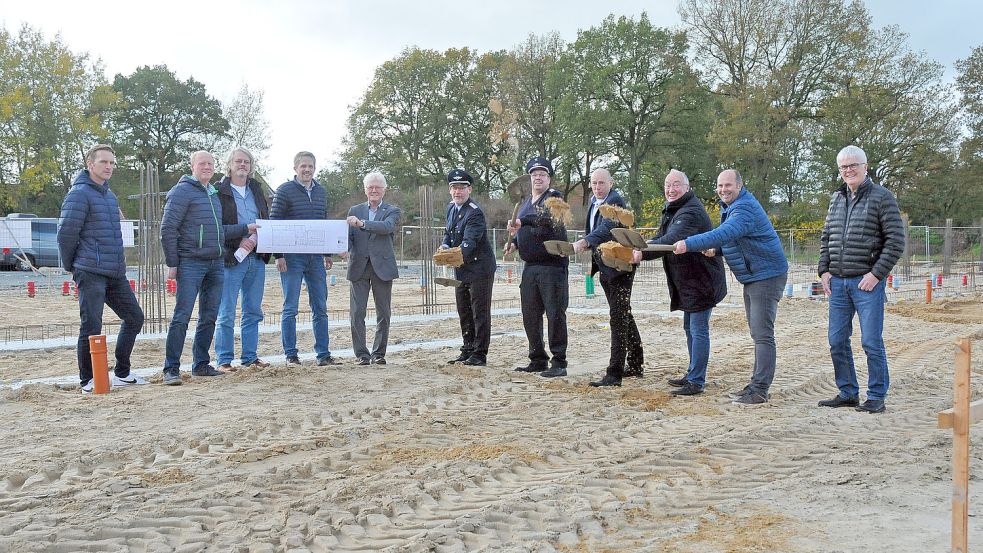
(232,154)
(682,174)
(301,155)
(852,152)
(375,176)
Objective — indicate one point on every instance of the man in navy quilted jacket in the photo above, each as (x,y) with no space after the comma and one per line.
(90,242)
(192,234)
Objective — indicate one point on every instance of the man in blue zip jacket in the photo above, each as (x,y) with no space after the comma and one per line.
(191,234)
(90,242)
(755,255)
(303,198)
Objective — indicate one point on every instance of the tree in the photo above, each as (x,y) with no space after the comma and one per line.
(968,175)
(51,106)
(248,126)
(162,120)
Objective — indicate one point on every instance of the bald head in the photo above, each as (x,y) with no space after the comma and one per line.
(202,166)
(600,183)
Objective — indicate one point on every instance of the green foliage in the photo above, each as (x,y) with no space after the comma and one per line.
(162,120)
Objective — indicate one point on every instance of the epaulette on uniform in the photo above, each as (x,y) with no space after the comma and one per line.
(474,206)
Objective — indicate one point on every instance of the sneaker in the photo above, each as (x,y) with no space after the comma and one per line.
(363,361)
(554,372)
(872,406)
(172,378)
(840,401)
(294,361)
(328,360)
(227,368)
(86,388)
(677,382)
(688,389)
(750,398)
(130,380)
(207,370)
(259,364)
(378,360)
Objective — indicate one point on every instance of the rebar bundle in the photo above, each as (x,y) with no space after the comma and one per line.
(428,245)
(152,279)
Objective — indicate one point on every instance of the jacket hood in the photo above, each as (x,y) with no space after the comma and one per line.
(83,178)
(188,179)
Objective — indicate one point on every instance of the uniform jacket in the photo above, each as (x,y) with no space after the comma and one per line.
(870,241)
(234,231)
(749,241)
(89,235)
(469,231)
(374,242)
(602,234)
(538,227)
(192,223)
(290,201)
(696,282)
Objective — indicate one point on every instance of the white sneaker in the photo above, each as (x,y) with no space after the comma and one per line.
(131,380)
(87,388)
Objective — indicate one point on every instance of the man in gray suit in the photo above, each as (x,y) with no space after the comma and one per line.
(372,266)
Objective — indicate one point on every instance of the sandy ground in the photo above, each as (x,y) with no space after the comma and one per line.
(423,456)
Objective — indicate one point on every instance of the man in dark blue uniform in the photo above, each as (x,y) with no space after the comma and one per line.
(466,228)
(544,287)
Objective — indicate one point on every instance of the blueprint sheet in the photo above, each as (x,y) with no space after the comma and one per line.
(302,236)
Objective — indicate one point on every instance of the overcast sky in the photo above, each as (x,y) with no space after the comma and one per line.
(313,59)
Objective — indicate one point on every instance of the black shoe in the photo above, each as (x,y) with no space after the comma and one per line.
(207,370)
(531,369)
(378,360)
(362,361)
(328,360)
(475,361)
(608,380)
(677,382)
(554,372)
(872,406)
(293,361)
(688,389)
(634,372)
(840,401)
(460,358)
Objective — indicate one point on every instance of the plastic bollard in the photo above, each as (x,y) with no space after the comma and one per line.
(788,290)
(30,289)
(334,280)
(65,288)
(890,281)
(100,365)
(133,285)
(965,280)
(75,290)
(509,273)
(939,281)
(928,291)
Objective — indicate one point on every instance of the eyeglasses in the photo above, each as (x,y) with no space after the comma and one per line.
(850,167)
(675,186)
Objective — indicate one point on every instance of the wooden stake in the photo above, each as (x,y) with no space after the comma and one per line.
(960,448)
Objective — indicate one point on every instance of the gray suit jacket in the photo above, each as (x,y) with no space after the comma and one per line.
(374,242)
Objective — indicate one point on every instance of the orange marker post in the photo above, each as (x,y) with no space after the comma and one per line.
(928,291)
(100,365)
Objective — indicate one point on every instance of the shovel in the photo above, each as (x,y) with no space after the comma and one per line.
(443,281)
(561,248)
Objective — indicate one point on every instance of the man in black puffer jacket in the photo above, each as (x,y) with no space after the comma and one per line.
(861,242)
(90,242)
(191,234)
(696,281)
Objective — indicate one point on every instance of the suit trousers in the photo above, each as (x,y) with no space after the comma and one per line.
(544,290)
(474,309)
(358,302)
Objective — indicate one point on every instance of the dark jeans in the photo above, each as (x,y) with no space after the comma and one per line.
(95,291)
(760,307)
(625,341)
(474,309)
(544,289)
(202,280)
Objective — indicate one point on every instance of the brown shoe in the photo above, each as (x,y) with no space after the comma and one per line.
(227,368)
(260,364)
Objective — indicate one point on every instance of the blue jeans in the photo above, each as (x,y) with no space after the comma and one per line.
(95,292)
(761,299)
(309,268)
(845,300)
(697,327)
(202,280)
(246,279)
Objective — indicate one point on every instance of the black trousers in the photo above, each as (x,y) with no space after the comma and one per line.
(95,292)
(474,309)
(544,290)
(626,344)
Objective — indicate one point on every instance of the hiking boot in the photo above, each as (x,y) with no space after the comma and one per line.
(207,370)
(688,389)
(172,378)
(840,401)
(294,361)
(608,380)
(129,380)
(554,372)
(872,406)
(327,360)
